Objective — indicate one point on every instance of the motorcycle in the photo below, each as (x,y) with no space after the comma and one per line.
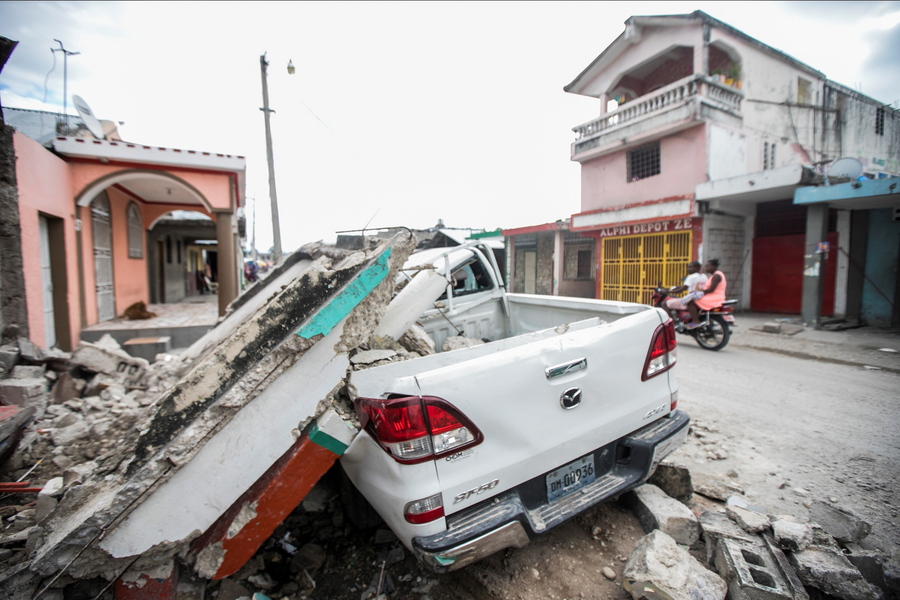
(715,324)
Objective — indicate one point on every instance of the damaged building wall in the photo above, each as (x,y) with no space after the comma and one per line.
(13,310)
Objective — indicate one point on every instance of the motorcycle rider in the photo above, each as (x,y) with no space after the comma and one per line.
(713,293)
(693,284)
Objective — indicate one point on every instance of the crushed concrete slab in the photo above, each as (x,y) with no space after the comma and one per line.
(657,510)
(253,370)
(659,563)
(840,523)
(716,526)
(458,342)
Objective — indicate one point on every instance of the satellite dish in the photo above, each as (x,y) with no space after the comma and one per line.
(846,167)
(87,115)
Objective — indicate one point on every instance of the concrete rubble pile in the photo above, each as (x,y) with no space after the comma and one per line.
(149,465)
(719,545)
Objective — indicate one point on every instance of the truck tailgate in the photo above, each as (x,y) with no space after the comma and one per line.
(520,409)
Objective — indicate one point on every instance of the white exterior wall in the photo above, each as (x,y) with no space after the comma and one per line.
(727,155)
(723,238)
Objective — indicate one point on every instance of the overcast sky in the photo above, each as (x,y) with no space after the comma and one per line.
(399,113)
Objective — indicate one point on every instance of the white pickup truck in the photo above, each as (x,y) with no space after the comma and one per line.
(569,402)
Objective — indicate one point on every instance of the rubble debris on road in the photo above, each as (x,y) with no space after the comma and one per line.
(659,563)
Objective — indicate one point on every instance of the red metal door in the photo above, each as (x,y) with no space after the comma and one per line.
(778,274)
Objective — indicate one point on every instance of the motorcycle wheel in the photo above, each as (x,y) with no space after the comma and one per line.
(714,336)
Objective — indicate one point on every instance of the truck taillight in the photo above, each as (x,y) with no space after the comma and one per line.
(661,356)
(413,429)
(425,510)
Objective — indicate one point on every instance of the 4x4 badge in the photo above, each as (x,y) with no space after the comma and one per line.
(570,398)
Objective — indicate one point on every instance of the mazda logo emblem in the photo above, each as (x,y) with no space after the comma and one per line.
(570,398)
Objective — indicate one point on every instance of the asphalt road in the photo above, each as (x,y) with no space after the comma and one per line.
(795,430)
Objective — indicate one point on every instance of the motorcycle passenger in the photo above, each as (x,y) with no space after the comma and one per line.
(713,293)
(693,284)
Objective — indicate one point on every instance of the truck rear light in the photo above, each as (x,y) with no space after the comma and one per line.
(661,356)
(414,429)
(425,510)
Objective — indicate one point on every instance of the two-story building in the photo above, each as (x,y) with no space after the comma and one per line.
(703,137)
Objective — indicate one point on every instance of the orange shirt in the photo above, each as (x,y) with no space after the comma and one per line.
(715,298)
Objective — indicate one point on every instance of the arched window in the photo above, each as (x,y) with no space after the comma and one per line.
(135,232)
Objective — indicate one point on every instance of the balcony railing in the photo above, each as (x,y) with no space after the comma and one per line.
(675,94)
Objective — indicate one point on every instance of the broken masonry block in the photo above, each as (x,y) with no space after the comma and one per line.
(661,565)
(749,520)
(714,526)
(715,489)
(22,392)
(871,564)
(828,570)
(66,388)
(791,536)
(29,353)
(112,362)
(657,510)
(9,356)
(27,372)
(674,480)
(840,523)
(754,572)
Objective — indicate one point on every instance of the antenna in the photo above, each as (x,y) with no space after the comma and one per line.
(87,115)
(66,55)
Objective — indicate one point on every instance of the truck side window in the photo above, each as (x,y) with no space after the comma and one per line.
(470,278)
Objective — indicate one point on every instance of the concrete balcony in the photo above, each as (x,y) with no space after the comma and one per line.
(679,105)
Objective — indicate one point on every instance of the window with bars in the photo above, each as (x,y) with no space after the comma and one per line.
(879,121)
(135,232)
(768,156)
(579,261)
(644,162)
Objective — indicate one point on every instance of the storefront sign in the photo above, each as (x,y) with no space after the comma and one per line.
(642,228)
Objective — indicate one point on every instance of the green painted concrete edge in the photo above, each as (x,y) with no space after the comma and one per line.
(320,438)
(362,285)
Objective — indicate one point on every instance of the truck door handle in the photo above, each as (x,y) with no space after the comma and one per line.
(566,368)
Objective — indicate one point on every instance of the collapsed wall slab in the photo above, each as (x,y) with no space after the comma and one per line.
(226,421)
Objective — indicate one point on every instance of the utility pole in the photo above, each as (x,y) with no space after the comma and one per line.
(276,226)
(66,55)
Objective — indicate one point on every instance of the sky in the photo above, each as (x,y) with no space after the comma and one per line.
(399,113)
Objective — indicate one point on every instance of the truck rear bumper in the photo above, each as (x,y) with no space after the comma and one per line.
(506,522)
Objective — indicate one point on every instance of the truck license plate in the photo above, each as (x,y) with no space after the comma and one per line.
(571,477)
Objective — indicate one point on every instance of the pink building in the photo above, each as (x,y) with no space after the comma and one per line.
(88,211)
(704,135)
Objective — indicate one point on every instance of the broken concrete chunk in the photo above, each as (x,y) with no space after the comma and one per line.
(659,563)
(715,526)
(750,521)
(674,480)
(829,571)
(67,387)
(9,356)
(840,523)
(29,353)
(114,362)
(70,434)
(22,392)
(791,536)
(871,564)
(714,488)
(368,357)
(657,510)
(417,340)
(458,342)
(27,372)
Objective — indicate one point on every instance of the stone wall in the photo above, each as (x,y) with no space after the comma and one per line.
(723,238)
(12,280)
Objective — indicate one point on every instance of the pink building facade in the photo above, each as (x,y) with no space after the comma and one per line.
(703,136)
(86,211)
